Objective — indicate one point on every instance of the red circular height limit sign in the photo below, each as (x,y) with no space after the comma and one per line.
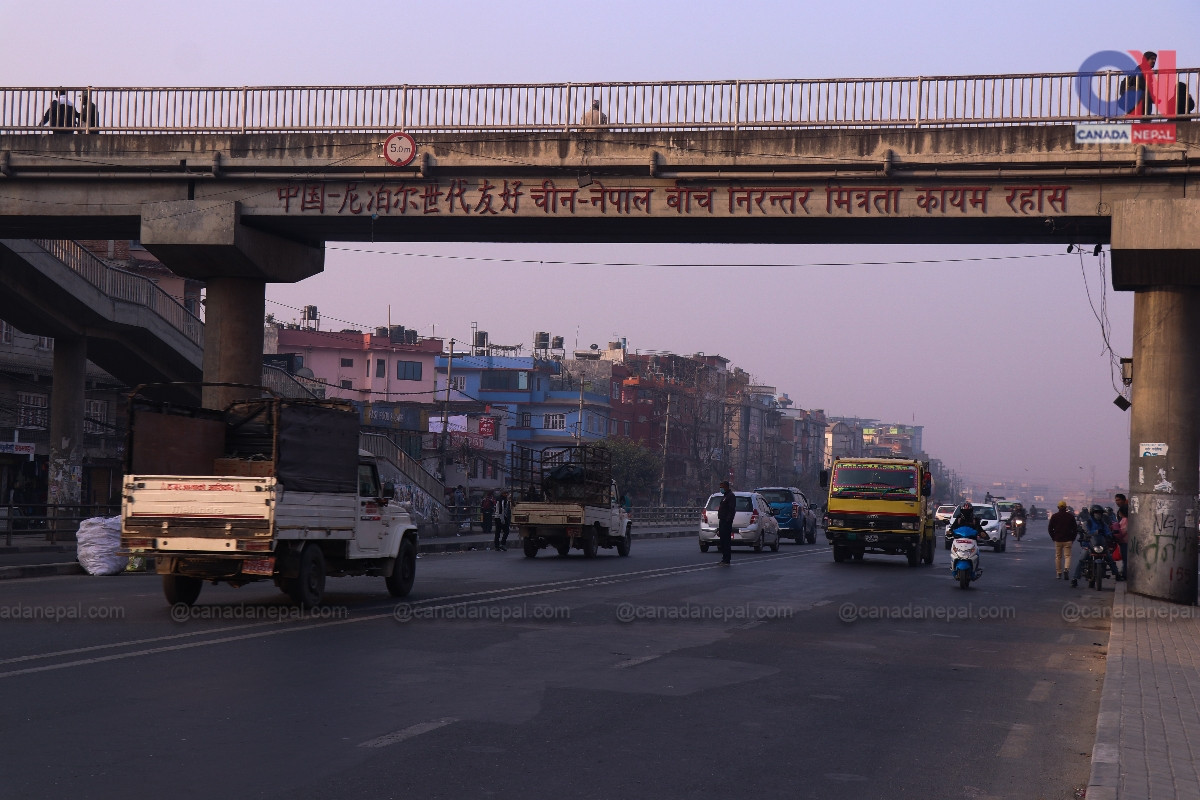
(399,149)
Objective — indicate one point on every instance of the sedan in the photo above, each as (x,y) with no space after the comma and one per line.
(753,524)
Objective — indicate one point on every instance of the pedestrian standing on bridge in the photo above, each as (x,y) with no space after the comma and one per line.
(725,514)
(88,115)
(503,516)
(1134,88)
(61,115)
(594,117)
(1062,531)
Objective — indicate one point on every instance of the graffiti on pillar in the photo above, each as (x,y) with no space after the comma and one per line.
(1170,538)
(1163,484)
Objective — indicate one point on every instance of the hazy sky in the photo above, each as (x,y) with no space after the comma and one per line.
(1002,361)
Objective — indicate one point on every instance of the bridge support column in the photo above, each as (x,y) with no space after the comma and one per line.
(1156,252)
(206,240)
(233,338)
(65,479)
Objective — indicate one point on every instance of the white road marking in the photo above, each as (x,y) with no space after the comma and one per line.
(1040,691)
(1016,742)
(633,662)
(487,596)
(409,732)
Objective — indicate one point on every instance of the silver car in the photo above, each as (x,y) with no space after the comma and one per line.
(753,524)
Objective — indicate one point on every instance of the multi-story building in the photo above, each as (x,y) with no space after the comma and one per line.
(388,375)
(538,401)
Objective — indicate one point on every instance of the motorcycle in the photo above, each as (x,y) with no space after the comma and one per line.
(1095,564)
(964,556)
(1018,529)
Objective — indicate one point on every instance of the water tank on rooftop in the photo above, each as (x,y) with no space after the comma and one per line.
(309,313)
(396,334)
(541,340)
(556,343)
(481,339)
(382,332)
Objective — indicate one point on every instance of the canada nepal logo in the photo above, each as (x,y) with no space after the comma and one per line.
(1142,90)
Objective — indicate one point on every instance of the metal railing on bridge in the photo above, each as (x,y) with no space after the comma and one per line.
(126,286)
(935,101)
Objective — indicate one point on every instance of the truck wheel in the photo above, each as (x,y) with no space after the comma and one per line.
(914,555)
(181,589)
(929,549)
(859,555)
(704,547)
(590,545)
(623,544)
(531,548)
(400,582)
(309,587)
(563,548)
(839,553)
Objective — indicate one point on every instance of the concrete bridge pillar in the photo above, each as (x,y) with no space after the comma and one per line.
(233,338)
(65,480)
(1156,253)
(207,241)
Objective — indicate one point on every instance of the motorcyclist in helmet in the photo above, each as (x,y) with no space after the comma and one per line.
(964,516)
(1096,531)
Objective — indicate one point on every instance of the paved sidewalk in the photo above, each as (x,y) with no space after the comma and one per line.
(1148,731)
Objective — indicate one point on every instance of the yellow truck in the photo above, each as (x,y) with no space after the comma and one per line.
(879,505)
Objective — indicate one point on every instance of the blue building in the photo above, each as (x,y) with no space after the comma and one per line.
(542,402)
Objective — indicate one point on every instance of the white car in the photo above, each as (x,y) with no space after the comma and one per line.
(753,523)
(989,516)
(943,514)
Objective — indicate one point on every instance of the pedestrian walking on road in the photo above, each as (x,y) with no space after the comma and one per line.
(503,516)
(1062,531)
(487,507)
(725,514)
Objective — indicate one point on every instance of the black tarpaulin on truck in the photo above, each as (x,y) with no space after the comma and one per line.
(313,444)
(318,449)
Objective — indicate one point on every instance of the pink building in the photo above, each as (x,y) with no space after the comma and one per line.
(366,367)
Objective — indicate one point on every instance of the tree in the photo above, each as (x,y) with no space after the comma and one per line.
(635,468)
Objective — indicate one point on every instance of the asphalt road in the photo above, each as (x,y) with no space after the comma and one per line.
(785,675)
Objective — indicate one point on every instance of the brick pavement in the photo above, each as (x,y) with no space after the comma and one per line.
(1148,730)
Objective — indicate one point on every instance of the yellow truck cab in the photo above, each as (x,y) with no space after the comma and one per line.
(879,505)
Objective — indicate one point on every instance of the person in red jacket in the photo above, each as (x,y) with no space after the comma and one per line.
(1062,531)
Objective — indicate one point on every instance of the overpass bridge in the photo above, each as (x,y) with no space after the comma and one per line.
(242,186)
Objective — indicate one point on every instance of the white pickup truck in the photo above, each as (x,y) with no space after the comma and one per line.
(566,498)
(268,490)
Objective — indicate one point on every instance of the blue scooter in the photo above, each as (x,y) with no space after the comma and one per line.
(964,556)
